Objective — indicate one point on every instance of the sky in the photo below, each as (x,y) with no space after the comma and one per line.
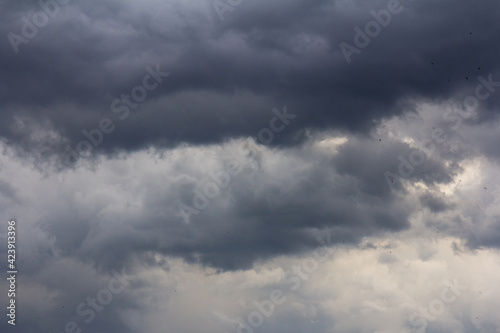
(240,166)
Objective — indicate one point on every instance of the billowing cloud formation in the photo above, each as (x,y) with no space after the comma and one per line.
(235,166)
(224,75)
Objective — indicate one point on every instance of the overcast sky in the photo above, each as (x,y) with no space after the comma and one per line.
(251,166)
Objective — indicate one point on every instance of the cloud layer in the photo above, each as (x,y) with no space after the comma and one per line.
(202,154)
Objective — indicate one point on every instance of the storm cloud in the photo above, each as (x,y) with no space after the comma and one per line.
(178,162)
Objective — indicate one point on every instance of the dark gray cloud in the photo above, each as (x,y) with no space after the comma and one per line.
(204,89)
(262,214)
(226,75)
(277,204)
